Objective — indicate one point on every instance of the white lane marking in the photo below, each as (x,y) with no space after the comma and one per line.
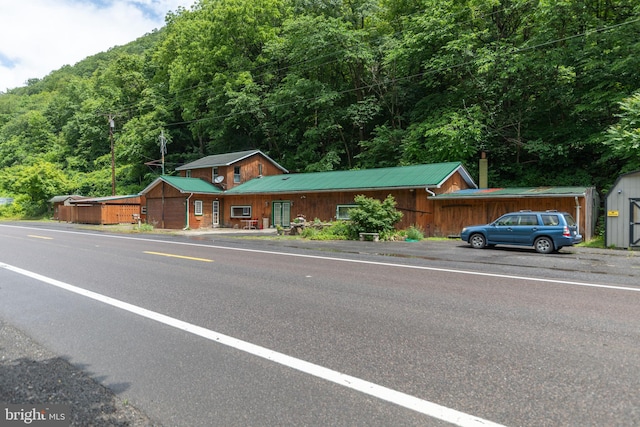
(402,399)
(354,261)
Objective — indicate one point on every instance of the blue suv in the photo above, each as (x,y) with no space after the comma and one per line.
(546,231)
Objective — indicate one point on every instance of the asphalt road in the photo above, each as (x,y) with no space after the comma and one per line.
(219,330)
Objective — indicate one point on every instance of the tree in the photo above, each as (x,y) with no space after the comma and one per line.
(35,185)
(624,137)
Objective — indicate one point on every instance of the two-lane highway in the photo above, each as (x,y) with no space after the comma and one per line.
(214,334)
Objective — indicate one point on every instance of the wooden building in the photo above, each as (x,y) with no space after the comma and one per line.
(622,207)
(455,210)
(176,202)
(107,210)
(231,169)
(329,195)
(62,207)
(248,189)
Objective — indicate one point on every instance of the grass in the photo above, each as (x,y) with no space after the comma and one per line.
(596,242)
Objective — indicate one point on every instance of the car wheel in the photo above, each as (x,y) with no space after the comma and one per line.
(544,245)
(477,241)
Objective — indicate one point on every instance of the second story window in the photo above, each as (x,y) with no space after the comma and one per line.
(236,174)
(214,174)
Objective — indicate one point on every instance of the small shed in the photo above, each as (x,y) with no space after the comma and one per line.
(622,206)
(62,207)
(453,211)
(108,210)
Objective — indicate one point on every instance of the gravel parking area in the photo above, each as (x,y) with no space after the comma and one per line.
(29,374)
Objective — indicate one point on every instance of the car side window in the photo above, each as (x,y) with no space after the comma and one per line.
(550,219)
(528,220)
(507,220)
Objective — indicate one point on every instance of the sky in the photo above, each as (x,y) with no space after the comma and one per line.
(41,36)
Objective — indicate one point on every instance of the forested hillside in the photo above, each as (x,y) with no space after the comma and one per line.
(550,89)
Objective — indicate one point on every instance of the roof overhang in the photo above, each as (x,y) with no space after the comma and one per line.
(511,193)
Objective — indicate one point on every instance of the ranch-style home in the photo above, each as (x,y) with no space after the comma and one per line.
(248,189)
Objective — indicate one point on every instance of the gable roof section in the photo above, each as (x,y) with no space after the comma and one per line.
(226,160)
(106,199)
(430,175)
(185,185)
(516,192)
(64,198)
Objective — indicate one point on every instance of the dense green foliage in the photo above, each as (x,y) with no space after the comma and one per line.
(550,89)
(374,216)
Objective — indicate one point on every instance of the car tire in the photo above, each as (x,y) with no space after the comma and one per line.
(544,245)
(477,241)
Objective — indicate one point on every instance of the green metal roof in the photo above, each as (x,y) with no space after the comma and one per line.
(185,185)
(225,160)
(430,175)
(515,192)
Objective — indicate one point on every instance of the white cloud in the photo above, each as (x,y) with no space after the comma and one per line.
(40,36)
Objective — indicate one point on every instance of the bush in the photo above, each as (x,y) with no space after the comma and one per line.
(374,216)
(414,233)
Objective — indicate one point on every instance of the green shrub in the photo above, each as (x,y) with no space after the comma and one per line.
(144,227)
(374,216)
(309,233)
(414,233)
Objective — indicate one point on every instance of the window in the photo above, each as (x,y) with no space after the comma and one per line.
(528,220)
(236,174)
(550,219)
(240,211)
(188,173)
(508,220)
(342,211)
(214,174)
(197,207)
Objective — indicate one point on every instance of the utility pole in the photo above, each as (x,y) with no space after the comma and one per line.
(163,148)
(112,127)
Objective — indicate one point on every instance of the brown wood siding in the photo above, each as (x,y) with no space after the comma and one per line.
(63,213)
(249,169)
(206,219)
(166,207)
(452,215)
(323,205)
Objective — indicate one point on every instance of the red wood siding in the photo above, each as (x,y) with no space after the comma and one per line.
(250,168)
(452,215)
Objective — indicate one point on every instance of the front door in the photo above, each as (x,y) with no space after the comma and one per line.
(282,213)
(634,226)
(216,214)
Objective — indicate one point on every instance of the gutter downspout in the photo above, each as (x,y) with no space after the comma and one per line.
(187,221)
(577,215)
(430,192)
